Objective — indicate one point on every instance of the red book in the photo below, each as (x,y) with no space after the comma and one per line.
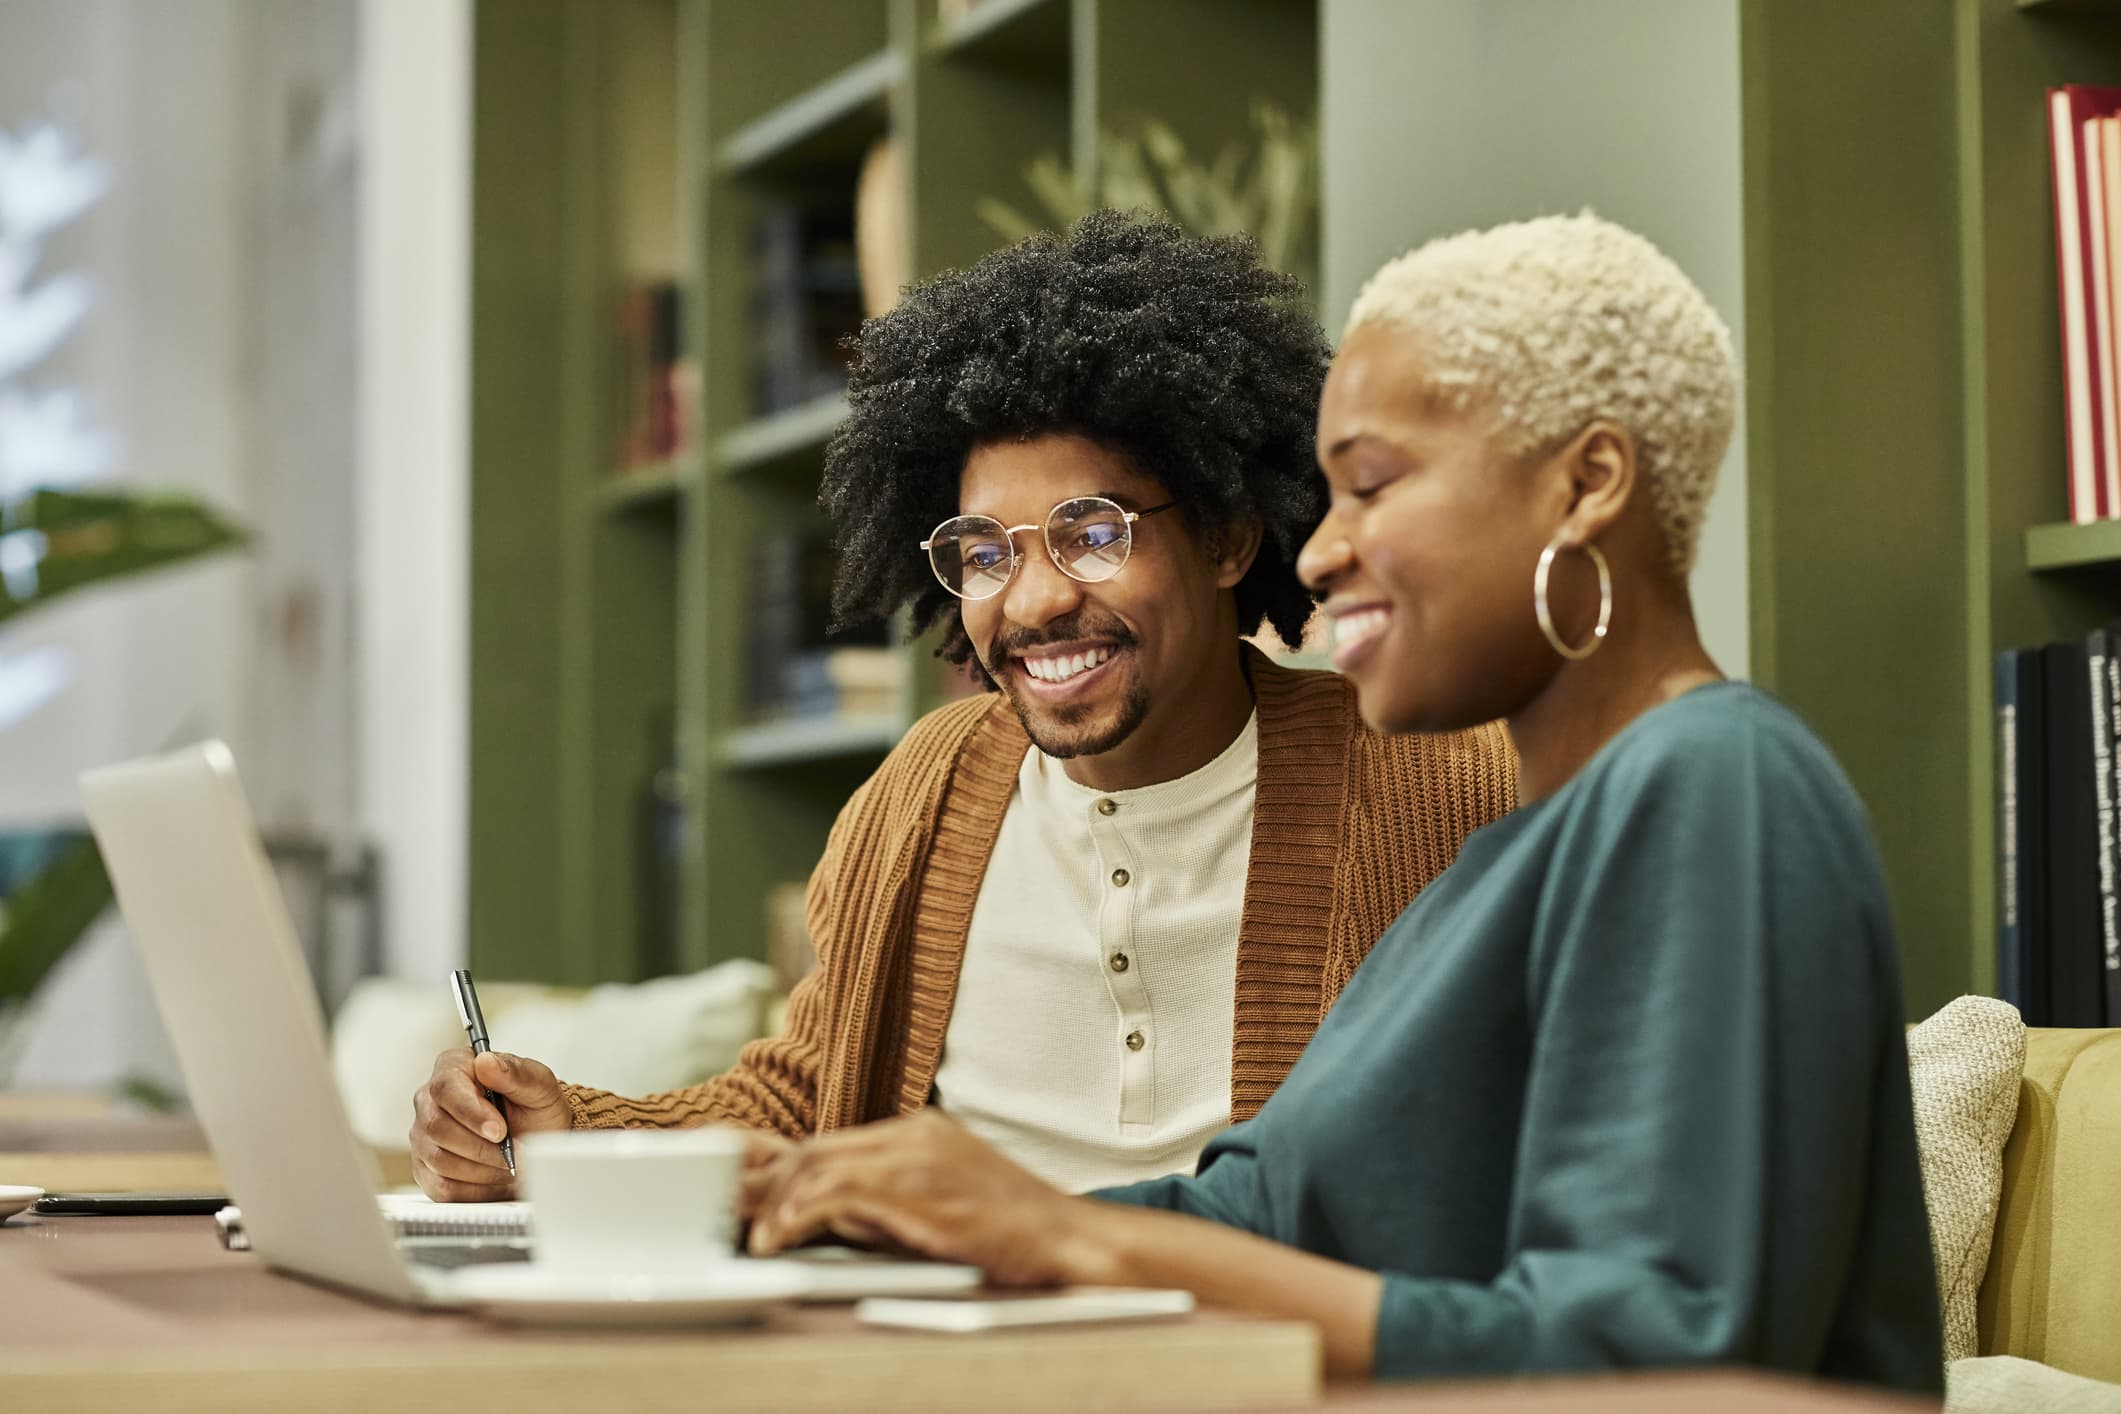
(2080,268)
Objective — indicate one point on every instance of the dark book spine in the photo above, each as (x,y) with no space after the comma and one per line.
(2098,660)
(2112,960)
(2075,973)
(2033,923)
(2010,857)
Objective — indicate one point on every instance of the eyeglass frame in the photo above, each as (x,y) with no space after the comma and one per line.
(1045,532)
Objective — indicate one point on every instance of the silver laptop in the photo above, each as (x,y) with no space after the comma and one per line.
(200,898)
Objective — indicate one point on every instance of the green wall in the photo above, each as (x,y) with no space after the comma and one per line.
(1439,115)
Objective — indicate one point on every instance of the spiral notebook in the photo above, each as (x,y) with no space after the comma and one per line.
(415,1215)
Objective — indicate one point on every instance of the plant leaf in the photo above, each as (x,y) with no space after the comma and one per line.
(76,539)
(1055,186)
(48,915)
(1005,220)
(1124,177)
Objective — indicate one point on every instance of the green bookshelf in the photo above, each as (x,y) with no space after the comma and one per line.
(657,490)
(795,437)
(2069,546)
(833,120)
(611,612)
(769,745)
(1027,36)
(1905,407)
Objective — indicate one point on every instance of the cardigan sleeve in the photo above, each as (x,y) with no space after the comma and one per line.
(775,1082)
(1711,971)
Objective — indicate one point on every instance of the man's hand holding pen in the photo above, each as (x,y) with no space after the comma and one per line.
(456,1131)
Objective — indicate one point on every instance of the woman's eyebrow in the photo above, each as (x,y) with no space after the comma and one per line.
(1354,439)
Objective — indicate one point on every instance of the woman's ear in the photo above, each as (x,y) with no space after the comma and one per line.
(1601,467)
(1235,550)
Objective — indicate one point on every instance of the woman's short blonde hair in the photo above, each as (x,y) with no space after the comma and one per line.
(1557,321)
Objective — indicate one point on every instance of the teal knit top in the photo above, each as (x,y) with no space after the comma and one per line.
(1625,1086)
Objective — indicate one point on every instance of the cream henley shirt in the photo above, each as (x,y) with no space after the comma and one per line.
(1091,1036)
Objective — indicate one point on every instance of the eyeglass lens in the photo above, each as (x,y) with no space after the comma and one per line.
(1089,539)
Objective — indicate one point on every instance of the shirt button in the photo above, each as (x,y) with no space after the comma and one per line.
(1108,807)
(1120,878)
(1119,962)
(1135,1040)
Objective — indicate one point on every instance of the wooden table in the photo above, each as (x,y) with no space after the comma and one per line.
(129,1314)
(151,1314)
(84,1142)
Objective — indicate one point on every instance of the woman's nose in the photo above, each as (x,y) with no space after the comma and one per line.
(1326,556)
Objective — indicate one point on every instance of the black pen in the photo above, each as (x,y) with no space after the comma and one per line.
(475,1027)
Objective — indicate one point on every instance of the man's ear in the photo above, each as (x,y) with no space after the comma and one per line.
(1601,466)
(1234,550)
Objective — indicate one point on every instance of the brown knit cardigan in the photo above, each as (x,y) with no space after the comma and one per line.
(1347,827)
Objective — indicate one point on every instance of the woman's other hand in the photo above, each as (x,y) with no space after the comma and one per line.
(925,1185)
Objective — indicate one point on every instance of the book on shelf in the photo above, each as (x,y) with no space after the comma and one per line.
(650,399)
(2072,856)
(806,297)
(2084,150)
(2110,960)
(843,681)
(2058,830)
(797,663)
(2020,815)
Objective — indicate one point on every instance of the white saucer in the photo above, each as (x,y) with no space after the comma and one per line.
(16,1200)
(529,1293)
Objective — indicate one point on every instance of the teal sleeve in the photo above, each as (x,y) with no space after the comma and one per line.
(1225,1188)
(1704,1000)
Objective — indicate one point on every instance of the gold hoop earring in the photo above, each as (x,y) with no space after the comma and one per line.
(1605,600)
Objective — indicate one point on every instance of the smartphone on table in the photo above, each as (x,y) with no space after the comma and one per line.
(133,1204)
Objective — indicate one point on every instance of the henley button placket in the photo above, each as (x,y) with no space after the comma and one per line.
(1123,980)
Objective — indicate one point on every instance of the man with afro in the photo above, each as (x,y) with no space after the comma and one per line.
(1096,912)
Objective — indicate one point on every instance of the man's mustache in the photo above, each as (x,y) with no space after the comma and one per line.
(1021,641)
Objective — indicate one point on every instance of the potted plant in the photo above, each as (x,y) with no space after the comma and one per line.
(59,535)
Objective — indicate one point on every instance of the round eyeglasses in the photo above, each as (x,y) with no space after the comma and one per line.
(1088,539)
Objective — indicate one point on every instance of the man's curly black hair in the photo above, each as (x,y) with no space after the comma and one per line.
(1183,354)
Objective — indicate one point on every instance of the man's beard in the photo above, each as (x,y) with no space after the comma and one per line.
(1067,730)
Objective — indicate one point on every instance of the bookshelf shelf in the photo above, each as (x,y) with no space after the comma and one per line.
(799,433)
(799,742)
(2068,546)
(649,491)
(720,146)
(1028,36)
(834,120)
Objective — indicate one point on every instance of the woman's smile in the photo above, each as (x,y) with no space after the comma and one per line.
(1356,629)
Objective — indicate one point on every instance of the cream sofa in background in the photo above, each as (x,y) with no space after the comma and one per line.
(2020,1134)
(2052,1292)
(636,1039)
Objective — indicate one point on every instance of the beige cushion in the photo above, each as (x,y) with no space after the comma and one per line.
(2005,1384)
(1964,1064)
(384,1041)
(651,1036)
(636,1039)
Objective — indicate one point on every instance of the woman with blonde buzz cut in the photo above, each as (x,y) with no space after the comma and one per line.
(1626,1085)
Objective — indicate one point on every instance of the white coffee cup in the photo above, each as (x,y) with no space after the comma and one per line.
(632,1200)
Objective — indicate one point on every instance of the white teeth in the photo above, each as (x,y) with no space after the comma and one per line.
(1363,624)
(1063,668)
